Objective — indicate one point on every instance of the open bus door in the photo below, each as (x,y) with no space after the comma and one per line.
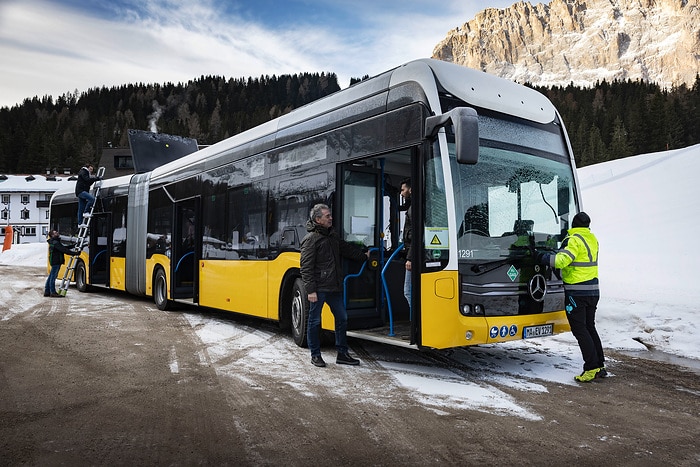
(365,211)
(100,241)
(357,222)
(186,244)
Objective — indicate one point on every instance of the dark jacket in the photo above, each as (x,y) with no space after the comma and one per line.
(56,251)
(321,250)
(84,181)
(408,235)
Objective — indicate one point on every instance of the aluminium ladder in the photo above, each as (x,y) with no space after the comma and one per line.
(83,231)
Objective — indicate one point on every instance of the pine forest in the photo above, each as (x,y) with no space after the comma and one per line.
(609,121)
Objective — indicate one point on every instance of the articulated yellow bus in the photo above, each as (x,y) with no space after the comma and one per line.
(493,178)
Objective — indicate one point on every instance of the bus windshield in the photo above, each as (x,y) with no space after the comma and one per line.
(520,193)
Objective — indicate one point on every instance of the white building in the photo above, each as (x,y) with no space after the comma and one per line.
(24,204)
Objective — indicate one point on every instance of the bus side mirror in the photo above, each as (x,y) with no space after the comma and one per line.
(466,126)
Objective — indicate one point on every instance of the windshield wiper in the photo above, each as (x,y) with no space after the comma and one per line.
(480,268)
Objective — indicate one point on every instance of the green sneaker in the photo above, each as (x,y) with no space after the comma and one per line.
(587,376)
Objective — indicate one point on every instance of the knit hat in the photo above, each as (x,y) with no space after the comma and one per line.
(581,220)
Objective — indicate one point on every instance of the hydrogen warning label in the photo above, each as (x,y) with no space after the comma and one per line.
(437,238)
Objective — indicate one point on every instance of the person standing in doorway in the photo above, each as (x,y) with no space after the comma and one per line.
(82,191)
(578,261)
(56,259)
(407,237)
(322,275)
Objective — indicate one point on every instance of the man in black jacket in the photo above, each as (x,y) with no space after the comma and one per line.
(56,259)
(321,272)
(82,190)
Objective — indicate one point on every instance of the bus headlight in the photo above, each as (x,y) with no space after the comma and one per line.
(467,309)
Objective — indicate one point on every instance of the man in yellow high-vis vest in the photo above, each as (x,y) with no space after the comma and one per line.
(578,261)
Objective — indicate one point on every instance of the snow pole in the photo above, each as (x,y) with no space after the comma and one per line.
(8,238)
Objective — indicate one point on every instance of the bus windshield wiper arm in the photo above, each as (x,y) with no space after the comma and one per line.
(479,268)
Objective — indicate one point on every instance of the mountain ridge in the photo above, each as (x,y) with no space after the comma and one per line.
(582,42)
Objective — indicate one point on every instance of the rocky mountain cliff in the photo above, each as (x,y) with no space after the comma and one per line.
(582,41)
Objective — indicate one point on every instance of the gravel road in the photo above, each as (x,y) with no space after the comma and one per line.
(107,379)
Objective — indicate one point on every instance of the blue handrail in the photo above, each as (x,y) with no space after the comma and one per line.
(385,288)
(183,257)
(350,276)
(94,260)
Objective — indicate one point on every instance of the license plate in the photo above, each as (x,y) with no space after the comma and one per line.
(538,331)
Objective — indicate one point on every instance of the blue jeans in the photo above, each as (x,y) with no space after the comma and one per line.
(335,302)
(50,286)
(407,288)
(85,202)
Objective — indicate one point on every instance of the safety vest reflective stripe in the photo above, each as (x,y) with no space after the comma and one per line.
(578,263)
(590,261)
(581,287)
(588,249)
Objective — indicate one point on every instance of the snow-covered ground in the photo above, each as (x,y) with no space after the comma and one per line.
(644,210)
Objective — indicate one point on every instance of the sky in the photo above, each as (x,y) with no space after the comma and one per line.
(60,46)
(643,210)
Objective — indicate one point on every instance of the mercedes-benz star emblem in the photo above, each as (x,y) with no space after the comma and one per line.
(537,287)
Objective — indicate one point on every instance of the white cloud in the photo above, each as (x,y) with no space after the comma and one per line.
(51,49)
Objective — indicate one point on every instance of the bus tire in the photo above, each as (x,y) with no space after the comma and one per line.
(300,313)
(160,291)
(81,277)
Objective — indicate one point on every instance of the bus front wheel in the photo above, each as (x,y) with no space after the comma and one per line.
(160,291)
(300,313)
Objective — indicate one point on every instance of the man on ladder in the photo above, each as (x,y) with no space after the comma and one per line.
(86,201)
(86,206)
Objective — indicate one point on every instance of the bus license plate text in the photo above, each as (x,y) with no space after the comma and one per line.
(538,331)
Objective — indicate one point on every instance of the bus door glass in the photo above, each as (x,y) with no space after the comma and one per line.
(357,223)
(185,247)
(100,239)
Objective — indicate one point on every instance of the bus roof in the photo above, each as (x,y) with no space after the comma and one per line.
(432,76)
(491,92)
(472,86)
